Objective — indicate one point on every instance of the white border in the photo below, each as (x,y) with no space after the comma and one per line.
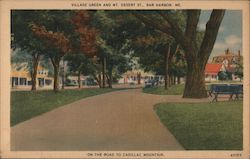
(7,5)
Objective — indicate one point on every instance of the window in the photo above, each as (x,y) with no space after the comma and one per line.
(22,81)
(48,82)
(14,81)
(29,83)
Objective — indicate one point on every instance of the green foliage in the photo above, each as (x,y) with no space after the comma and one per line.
(20,56)
(225,75)
(149,44)
(112,46)
(204,126)
(80,63)
(239,69)
(23,37)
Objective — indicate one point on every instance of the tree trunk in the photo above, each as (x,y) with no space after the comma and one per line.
(55,63)
(56,79)
(79,79)
(170,80)
(110,77)
(179,80)
(110,80)
(34,71)
(103,72)
(166,59)
(107,77)
(63,78)
(98,79)
(138,78)
(195,81)
(173,80)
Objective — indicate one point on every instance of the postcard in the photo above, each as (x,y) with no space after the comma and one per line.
(124,79)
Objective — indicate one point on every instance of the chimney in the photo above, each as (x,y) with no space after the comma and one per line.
(239,53)
(227,51)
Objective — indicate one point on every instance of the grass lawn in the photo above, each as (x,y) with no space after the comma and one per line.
(28,104)
(204,126)
(173,90)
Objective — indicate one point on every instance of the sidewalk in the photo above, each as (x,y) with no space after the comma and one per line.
(121,120)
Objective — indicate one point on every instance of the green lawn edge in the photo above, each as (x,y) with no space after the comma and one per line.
(160,90)
(28,104)
(204,126)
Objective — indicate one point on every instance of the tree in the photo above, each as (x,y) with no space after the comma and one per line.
(196,56)
(79,64)
(156,54)
(65,32)
(112,48)
(57,46)
(154,49)
(24,39)
(86,33)
(115,60)
(239,69)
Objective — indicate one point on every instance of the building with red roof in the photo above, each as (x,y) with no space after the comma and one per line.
(212,70)
(227,62)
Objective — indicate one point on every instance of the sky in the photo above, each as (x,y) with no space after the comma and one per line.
(230,32)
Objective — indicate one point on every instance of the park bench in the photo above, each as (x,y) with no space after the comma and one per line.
(239,89)
(223,89)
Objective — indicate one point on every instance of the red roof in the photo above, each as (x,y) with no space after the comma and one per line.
(213,68)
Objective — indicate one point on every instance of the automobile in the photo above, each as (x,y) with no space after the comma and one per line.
(151,83)
(90,82)
(71,83)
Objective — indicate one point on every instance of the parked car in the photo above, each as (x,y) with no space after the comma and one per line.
(90,82)
(71,83)
(151,83)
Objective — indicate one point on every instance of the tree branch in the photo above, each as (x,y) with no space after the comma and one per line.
(173,53)
(212,28)
(147,21)
(52,61)
(192,22)
(176,30)
(177,33)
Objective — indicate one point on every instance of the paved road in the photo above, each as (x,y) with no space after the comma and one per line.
(121,120)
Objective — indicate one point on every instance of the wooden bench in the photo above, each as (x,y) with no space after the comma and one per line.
(239,90)
(231,90)
(212,88)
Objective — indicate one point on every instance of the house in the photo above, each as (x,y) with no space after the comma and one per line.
(138,76)
(21,78)
(228,58)
(227,62)
(212,70)
(233,71)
